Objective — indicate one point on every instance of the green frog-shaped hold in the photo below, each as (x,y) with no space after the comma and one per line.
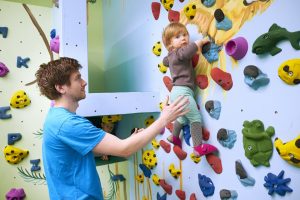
(257,142)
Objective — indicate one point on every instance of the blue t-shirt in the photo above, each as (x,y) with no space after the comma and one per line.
(68,159)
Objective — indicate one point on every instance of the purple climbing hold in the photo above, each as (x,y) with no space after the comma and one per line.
(15,194)
(237,48)
(3,69)
(3,31)
(54,44)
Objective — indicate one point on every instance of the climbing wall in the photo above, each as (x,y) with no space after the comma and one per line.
(24,41)
(266,106)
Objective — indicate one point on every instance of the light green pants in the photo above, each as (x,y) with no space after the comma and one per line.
(194,114)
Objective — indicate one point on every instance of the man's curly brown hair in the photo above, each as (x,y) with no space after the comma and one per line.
(56,72)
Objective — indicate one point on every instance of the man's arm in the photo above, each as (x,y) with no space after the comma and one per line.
(112,145)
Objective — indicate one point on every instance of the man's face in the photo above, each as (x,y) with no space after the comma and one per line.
(76,90)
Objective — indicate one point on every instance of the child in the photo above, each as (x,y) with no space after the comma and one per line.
(176,39)
(108,127)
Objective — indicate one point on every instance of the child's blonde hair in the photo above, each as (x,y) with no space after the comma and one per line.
(172,30)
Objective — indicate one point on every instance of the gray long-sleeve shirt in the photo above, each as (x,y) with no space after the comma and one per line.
(180,63)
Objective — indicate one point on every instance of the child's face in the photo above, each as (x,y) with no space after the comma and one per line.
(107,127)
(179,40)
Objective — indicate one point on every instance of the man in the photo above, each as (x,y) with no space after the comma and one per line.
(70,140)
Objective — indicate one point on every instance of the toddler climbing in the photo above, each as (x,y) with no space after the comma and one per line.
(179,59)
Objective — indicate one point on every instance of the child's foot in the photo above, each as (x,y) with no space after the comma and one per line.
(174,140)
(204,149)
(179,152)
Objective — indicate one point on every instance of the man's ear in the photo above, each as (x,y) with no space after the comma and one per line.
(60,89)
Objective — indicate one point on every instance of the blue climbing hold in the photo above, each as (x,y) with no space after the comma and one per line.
(3,111)
(118,177)
(35,165)
(13,137)
(277,184)
(163,197)
(3,31)
(145,170)
(212,54)
(22,62)
(53,33)
(186,134)
(206,185)
(208,3)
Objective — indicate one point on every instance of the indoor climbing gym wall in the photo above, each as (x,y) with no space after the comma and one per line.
(22,109)
(247,78)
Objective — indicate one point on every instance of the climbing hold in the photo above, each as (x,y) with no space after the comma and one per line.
(174,172)
(212,53)
(266,43)
(195,60)
(170,127)
(226,137)
(145,170)
(13,137)
(202,81)
(173,16)
(289,151)
(165,145)
(3,70)
(168,188)
(15,194)
(139,178)
(167,4)
(53,33)
(168,83)
(155,179)
(162,68)
(193,196)
(3,114)
(277,184)
(213,107)
(54,44)
(257,142)
(111,118)
(222,22)
(118,177)
(190,11)
(149,120)
(35,165)
(155,7)
(221,78)
(180,194)
(254,77)
(22,62)
(3,31)
(149,159)
(215,162)
(289,71)
(208,3)
(19,99)
(155,144)
(179,152)
(206,185)
(237,48)
(186,134)
(228,194)
(194,158)
(163,197)
(14,155)
(242,175)
(156,49)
